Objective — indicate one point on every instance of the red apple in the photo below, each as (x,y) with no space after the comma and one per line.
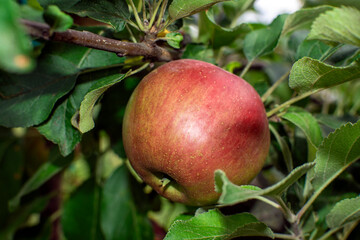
(187,119)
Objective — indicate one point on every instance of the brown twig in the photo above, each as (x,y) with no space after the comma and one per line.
(91,40)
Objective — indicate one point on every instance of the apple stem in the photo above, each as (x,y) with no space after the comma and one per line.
(139,69)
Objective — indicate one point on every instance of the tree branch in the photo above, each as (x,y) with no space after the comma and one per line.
(92,40)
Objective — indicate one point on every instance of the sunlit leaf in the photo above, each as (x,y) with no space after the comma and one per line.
(214,225)
(232,194)
(338,26)
(174,39)
(303,18)
(84,119)
(58,20)
(309,74)
(183,8)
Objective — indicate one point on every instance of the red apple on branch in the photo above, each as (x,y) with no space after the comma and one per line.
(187,119)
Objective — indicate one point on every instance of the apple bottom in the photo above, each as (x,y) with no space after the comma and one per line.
(198,189)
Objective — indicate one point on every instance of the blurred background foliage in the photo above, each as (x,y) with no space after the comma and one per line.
(87,183)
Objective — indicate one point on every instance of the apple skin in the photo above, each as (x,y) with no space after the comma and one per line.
(188,118)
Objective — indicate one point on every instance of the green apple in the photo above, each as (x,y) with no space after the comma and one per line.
(188,118)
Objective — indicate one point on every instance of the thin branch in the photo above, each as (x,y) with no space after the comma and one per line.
(246,69)
(291,101)
(92,40)
(273,87)
(267,201)
(289,215)
(329,233)
(285,236)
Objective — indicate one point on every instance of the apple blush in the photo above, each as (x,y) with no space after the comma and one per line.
(188,118)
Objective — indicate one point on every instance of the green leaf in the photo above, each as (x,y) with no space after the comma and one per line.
(120,218)
(303,18)
(346,211)
(330,121)
(59,128)
(337,3)
(11,174)
(15,47)
(337,152)
(84,58)
(114,13)
(80,218)
(62,4)
(58,20)
(217,35)
(27,100)
(174,39)
(184,8)
(233,9)
(306,122)
(285,150)
(55,164)
(314,49)
(32,14)
(338,26)
(310,75)
(232,194)
(263,41)
(199,52)
(214,225)
(17,218)
(84,118)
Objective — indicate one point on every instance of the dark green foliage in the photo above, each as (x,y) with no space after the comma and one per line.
(71,99)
